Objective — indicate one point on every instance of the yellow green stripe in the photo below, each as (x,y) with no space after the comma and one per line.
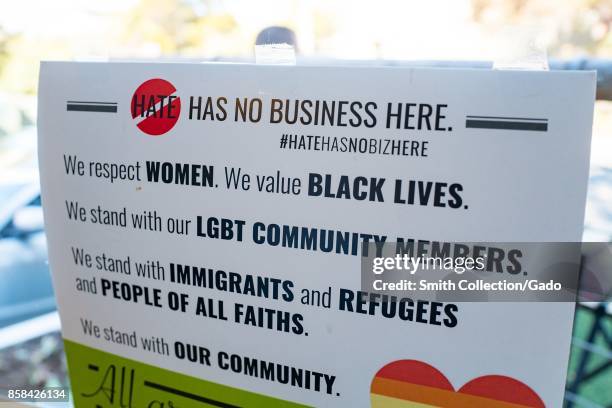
(96,377)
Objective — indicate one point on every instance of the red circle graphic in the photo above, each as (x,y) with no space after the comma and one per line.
(155,106)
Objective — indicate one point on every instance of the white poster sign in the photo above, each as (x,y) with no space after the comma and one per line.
(205,224)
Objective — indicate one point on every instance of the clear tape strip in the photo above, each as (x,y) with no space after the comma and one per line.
(275,54)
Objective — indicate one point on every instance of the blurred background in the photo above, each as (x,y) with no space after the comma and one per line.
(573,33)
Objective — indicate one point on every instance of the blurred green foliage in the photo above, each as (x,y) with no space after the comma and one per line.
(597,390)
(150,29)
